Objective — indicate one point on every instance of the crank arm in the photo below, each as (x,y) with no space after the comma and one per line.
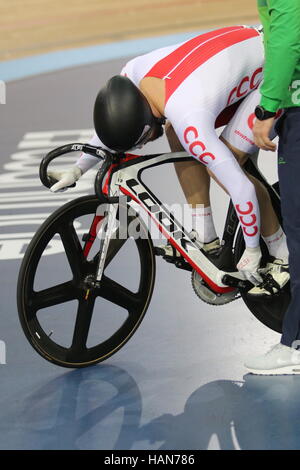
(235,279)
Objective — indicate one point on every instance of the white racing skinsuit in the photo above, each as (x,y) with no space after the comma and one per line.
(204,76)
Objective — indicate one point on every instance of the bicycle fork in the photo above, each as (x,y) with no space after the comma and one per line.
(105,235)
(105,238)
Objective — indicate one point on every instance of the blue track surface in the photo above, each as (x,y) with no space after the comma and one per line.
(179,383)
(21,68)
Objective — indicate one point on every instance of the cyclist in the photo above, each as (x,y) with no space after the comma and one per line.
(194,85)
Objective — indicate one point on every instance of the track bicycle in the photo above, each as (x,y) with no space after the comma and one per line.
(119,189)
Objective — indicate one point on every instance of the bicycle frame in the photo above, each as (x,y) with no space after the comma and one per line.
(123,175)
(119,184)
(127,177)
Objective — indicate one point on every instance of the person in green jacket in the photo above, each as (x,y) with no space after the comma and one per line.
(281,90)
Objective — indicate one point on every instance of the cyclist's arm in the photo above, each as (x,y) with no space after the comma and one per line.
(86,161)
(67,177)
(281,20)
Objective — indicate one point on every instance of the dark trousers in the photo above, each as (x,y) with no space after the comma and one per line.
(289,182)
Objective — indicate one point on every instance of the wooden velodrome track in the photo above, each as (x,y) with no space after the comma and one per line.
(29,27)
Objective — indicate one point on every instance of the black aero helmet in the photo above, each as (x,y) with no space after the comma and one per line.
(122,115)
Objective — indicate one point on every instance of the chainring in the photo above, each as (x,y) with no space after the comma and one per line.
(206,294)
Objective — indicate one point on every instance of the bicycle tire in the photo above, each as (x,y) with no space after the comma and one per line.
(30,302)
(269,311)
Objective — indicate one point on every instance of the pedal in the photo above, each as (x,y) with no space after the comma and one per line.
(268,289)
(170,259)
(178,261)
(159,251)
(182,264)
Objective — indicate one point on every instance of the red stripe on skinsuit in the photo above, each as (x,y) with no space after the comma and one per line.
(178,65)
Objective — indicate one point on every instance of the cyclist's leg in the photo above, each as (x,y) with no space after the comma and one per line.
(215,155)
(193,178)
(221,162)
(195,183)
(269,220)
(238,137)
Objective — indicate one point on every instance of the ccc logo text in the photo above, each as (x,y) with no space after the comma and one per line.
(249,225)
(246,85)
(196,147)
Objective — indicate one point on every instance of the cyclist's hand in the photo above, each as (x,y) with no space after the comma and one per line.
(249,265)
(64,178)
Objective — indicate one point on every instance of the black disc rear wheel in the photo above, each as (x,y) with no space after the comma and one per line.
(69,323)
(269,311)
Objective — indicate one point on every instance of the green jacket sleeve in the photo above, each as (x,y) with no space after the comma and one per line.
(281,21)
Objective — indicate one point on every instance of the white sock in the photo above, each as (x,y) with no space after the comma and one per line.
(277,246)
(203,223)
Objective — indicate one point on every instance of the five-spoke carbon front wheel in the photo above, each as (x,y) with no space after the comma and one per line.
(71,323)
